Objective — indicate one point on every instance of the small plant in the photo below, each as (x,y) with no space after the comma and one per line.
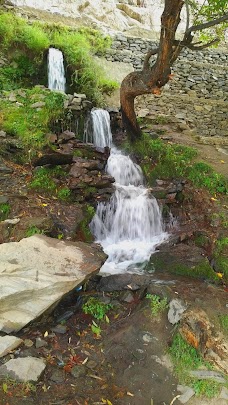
(64,193)
(157,304)
(33,230)
(96,329)
(96,308)
(4,211)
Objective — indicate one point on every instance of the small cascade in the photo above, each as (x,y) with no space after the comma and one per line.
(97,129)
(56,72)
(129,227)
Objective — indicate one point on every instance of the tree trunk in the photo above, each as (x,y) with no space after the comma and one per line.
(151,79)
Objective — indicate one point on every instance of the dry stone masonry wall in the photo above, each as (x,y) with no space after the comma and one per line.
(199,90)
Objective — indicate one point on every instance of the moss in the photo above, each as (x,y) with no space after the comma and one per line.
(84,230)
(4,211)
(167,161)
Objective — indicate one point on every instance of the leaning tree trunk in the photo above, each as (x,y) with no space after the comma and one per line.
(151,79)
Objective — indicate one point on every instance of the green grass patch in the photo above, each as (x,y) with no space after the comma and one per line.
(167,161)
(4,211)
(26,44)
(31,124)
(221,257)
(186,358)
(223,320)
(47,181)
(33,230)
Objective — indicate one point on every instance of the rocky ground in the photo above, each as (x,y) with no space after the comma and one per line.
(123,359)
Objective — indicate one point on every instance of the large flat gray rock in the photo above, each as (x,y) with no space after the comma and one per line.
(8,343)
(23,369)
(37,272)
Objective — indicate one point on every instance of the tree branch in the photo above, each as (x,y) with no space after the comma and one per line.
(198,48)
(150,53)
(207,24)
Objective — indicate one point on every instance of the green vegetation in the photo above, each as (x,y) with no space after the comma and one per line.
(157,304)
(187,358)
(33,230)
(47,180)
(25,45)
(221,257)
(4,211)
(202,271)
(84,225)
(96,308)
(223,320)
(64,193)
(31,124)
(165,160)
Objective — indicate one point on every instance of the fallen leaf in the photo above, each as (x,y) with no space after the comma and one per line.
(130,394)
(220,275)
(46,334)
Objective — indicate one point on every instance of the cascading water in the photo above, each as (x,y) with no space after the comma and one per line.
(97,130)
(56,72)
(129,227)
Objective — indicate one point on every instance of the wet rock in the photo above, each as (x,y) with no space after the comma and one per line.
(224,393)
(207,375)
(66,136)
(123,282)
(28,343)
(54,159)
(64,317)
(127,297)
(59,329)
(78,371)
(8,343)
(176,309)
(3,199)
(187,393)
(91,364)
(42,270)
(57,376)
(40,343)
(23,369)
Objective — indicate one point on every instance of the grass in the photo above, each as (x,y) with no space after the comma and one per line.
(26,45)
(221,257)
(186,358)
(47,180)
(33,230)
(157,305)
(4,211)
(223,320)
(31,124)
(167,161)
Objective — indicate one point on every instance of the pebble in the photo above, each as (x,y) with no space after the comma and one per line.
(40,343)
(59,329)
(57,376)
(78,371)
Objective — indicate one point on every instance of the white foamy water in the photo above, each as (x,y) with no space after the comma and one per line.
(129,226)
(97,129)
(56,72)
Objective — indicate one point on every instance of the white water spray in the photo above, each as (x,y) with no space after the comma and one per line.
(97,129)
(129,227)
(56,72)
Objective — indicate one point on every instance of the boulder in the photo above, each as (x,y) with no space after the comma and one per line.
(8,343)
(37,272)
(23,369)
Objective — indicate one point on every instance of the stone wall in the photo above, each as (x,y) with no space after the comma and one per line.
(198,91)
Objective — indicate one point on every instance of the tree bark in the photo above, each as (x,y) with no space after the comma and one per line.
(151,79)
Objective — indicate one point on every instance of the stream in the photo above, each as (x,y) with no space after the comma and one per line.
(129,227)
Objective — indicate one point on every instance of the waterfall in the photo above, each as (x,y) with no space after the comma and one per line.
(97,129)
(56,73)
(129,226)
